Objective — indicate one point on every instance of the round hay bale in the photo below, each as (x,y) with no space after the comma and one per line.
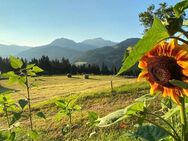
(69,75)
(86,76)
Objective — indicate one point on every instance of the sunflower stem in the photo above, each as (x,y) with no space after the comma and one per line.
(183,120)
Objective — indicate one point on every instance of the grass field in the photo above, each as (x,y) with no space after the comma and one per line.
(92,94)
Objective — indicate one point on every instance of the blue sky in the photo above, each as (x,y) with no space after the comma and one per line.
(38,22)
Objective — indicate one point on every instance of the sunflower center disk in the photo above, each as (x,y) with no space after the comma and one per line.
(162,69)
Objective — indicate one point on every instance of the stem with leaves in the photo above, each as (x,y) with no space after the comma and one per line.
(29,102)
(6,114)
(70,124)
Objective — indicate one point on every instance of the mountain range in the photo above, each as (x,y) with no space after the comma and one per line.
(109,55)
(63,47)
(7,50)
(92,51)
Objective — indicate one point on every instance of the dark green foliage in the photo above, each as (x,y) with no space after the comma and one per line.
(180,84)
(180,7)
(23,103)
(41,115)
(151,133)
(171,17)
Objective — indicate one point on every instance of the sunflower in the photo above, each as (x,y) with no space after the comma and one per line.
(166,61)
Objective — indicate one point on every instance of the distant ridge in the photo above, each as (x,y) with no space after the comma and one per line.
(7,50)
(63,47)
(99,42)
(110,55)
(92,51)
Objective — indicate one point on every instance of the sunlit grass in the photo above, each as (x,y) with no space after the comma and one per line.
(92,95)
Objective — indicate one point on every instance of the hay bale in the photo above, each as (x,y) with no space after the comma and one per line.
(69,75)
(86,76)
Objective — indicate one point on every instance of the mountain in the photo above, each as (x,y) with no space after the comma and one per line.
(52,51)
(61,47)
(63,42)
(7,50)
(84,45)
(98,42)
(110,55)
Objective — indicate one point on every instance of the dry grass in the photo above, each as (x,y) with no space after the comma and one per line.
(60,86)
(94,95)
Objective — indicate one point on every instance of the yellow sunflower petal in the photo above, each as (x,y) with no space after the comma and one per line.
(181,55)
(175,97)
(183,64)
(154,87)
(143,74)
(142,64)
(185,91)
(173,43)
(185,72)
(165,92)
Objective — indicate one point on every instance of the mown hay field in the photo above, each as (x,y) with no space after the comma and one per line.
(49,87)
(93,94)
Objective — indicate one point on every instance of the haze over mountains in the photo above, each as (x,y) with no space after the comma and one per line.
(7,50)
(63,47)
(93,51)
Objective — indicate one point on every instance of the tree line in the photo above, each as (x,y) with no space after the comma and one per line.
(63,66)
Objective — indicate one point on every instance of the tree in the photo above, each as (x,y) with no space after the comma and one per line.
(166,14)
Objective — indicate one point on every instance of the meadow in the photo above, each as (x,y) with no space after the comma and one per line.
(93,95)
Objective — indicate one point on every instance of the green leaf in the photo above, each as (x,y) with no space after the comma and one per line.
(180,7)
(146,97)
(31,73)
(178,83)
(174,111)
(151,133)
(29,66)
(15,63)
(13,79)
(76,108)
(166,103)
(12,136)
(4,135)
(61,104)
(36,69)
(8,74)
(121,114)
(22,80)
(171,113)
(23,103)
(16,117)
(92,117)
(59,115)
(33,135)
(155,34)
(41,115)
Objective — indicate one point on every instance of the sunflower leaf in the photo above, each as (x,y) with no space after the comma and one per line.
(155,34)
(121,114)
(179,83)
(151,133)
